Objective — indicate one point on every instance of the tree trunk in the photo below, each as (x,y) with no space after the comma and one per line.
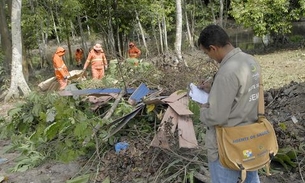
(143,35)
(82,35)
(161,37)
(221,13)
(110,31)
(189,34)
(156,39)
(42,41)
(178,41)
(88,28)
(165,33)
(73,32)
(119,41)
(213,13)
(55,28)
(193,23)
(6,43)
(110,39)
(67,31)
(17,79)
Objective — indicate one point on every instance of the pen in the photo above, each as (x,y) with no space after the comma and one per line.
(209,79)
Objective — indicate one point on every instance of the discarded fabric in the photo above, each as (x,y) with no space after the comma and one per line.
(120,146)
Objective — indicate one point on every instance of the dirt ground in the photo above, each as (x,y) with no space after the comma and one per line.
(283,75)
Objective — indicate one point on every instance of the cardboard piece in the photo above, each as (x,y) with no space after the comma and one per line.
(161,139)
(187,137)
(180,108)
(175,96)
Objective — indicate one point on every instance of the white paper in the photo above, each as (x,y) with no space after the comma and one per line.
(198,95)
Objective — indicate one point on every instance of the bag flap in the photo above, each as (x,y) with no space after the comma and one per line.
(248,146)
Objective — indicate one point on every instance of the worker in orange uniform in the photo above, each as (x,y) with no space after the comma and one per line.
(79,53)
(133,51)
(61,71)
(98,62)
(133,54)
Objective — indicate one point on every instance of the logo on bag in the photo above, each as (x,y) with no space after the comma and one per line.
(248,155)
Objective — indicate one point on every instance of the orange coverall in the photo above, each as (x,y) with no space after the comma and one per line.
(134,52)
(79,56)
(61,70)
(98,62)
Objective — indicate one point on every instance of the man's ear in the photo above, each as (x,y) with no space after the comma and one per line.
(212,47)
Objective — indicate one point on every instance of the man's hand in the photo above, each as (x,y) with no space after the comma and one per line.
(205,85)
(206,105)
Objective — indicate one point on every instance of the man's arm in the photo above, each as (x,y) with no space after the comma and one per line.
(87,61)
(221,98)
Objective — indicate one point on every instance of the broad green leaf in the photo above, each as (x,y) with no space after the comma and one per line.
(51,131)
(79,129)
(51,114)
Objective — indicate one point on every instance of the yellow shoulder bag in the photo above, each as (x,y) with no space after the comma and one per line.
(248,147)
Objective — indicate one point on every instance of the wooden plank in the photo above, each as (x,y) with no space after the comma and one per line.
(187,137)
(180,108)
(161,139)
(175,96)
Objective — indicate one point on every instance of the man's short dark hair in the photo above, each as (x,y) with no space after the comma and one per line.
(213,35)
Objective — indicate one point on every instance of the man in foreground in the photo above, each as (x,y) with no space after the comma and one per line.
(232,99)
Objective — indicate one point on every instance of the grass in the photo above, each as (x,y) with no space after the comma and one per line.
(282,67)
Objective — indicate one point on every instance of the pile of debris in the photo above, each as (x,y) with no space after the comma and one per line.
(175,131)
(285,108)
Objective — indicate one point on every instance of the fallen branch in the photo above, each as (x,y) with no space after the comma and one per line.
(107,116)
(201,177)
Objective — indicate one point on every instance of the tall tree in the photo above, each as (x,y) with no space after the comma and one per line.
(221,13)
(17,79)
(142,33)
(6,43)
(268,16)
(178,41)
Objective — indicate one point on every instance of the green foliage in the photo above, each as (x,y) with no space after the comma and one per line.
(267,16)
(55,125)
(286,157)
(125,74)
(195,108)
(122,109)
(29,157)
(296,38)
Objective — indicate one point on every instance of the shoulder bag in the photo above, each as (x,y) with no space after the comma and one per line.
(248,147)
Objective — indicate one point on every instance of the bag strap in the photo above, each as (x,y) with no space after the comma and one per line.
(261,112)
(243,176)
(261,102)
